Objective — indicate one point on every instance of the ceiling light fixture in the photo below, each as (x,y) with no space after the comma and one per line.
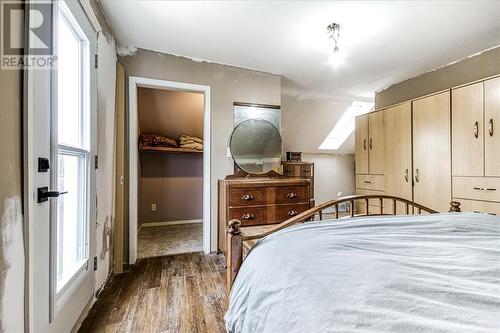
(334,31)
(337,58)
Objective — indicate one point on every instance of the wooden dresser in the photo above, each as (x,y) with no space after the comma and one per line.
(260,201)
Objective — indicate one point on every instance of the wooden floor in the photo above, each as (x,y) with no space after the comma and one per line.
(170,239)
(179,293)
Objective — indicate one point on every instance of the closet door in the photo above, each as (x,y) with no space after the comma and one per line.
(491,128)
(467,130)
(361,152)
(376,143)
(397,134)
(431,151)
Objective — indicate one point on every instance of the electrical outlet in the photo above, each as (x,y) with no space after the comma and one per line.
(153,207)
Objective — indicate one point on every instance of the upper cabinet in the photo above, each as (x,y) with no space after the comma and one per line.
(376,143)
(370,144)
(476,111)
(467,130)
(361,150)
(492,128)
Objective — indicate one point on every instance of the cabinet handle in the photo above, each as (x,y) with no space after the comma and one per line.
(248,197)
(371,144)
(484,189)
(292,195)
(292,212)
(369,181)
(406,175)
(490,127)
(476,130)
(248,216)
(364,144)
(417,175)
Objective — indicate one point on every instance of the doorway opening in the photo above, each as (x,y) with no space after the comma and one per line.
(169,168)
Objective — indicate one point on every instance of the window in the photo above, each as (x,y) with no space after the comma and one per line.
(345,125)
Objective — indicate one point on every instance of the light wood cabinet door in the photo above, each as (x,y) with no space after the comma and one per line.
(486,207)
(431,151)
(397,135)
(467,130)
(492,127)
(376,143)
(361,150)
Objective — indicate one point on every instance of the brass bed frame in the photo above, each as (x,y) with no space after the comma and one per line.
(240,239)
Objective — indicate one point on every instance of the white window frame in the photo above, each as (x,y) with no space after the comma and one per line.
(59,298)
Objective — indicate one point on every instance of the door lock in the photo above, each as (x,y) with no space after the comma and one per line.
(44,194)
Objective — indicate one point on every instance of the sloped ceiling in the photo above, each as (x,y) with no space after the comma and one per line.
(383,42)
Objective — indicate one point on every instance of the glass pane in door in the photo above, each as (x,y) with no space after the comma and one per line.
(71,217)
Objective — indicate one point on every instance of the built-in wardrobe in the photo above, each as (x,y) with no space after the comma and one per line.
(436,148)
(476,146)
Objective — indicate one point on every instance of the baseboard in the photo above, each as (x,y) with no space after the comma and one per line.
(159,224)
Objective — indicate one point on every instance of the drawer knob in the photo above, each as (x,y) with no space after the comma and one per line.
(292,195)
(484,189)
(247,197)
(292,212)
(248,216)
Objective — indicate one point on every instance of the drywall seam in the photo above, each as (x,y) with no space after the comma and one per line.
(12,268)
(438,68)
(133,50)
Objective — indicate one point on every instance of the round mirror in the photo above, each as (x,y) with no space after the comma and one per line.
(256,146)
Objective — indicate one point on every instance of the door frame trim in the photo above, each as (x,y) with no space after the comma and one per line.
(133,155)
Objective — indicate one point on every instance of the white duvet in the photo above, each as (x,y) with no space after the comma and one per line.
(427,273)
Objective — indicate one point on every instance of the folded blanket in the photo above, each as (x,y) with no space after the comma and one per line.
(193,145)
(184,138)
(157,140)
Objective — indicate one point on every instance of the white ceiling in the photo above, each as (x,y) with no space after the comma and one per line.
(383,42)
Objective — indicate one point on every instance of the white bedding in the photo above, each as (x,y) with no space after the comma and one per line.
(427,273)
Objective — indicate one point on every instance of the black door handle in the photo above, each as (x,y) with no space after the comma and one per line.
(44,194)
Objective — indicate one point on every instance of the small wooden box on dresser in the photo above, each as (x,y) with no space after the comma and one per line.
(260,201)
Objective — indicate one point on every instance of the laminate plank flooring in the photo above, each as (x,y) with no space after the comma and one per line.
(171,239)
(178,293)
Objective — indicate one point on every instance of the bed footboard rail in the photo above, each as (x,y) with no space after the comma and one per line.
(236,235)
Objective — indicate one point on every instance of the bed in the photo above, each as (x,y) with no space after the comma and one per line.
(425,272)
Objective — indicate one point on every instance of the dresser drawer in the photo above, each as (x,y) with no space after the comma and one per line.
(370,182)
(492,208)
(306,171)
(285,212)
(294,194)
(249,215)
(477,188)
(247,197)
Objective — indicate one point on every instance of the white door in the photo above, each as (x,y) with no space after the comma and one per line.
(63,219)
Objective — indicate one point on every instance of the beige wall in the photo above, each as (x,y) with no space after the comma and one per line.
(332,174)
(228,85)
(11,223)
(467,70)
(174,182)
(306,123)
(169,112)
